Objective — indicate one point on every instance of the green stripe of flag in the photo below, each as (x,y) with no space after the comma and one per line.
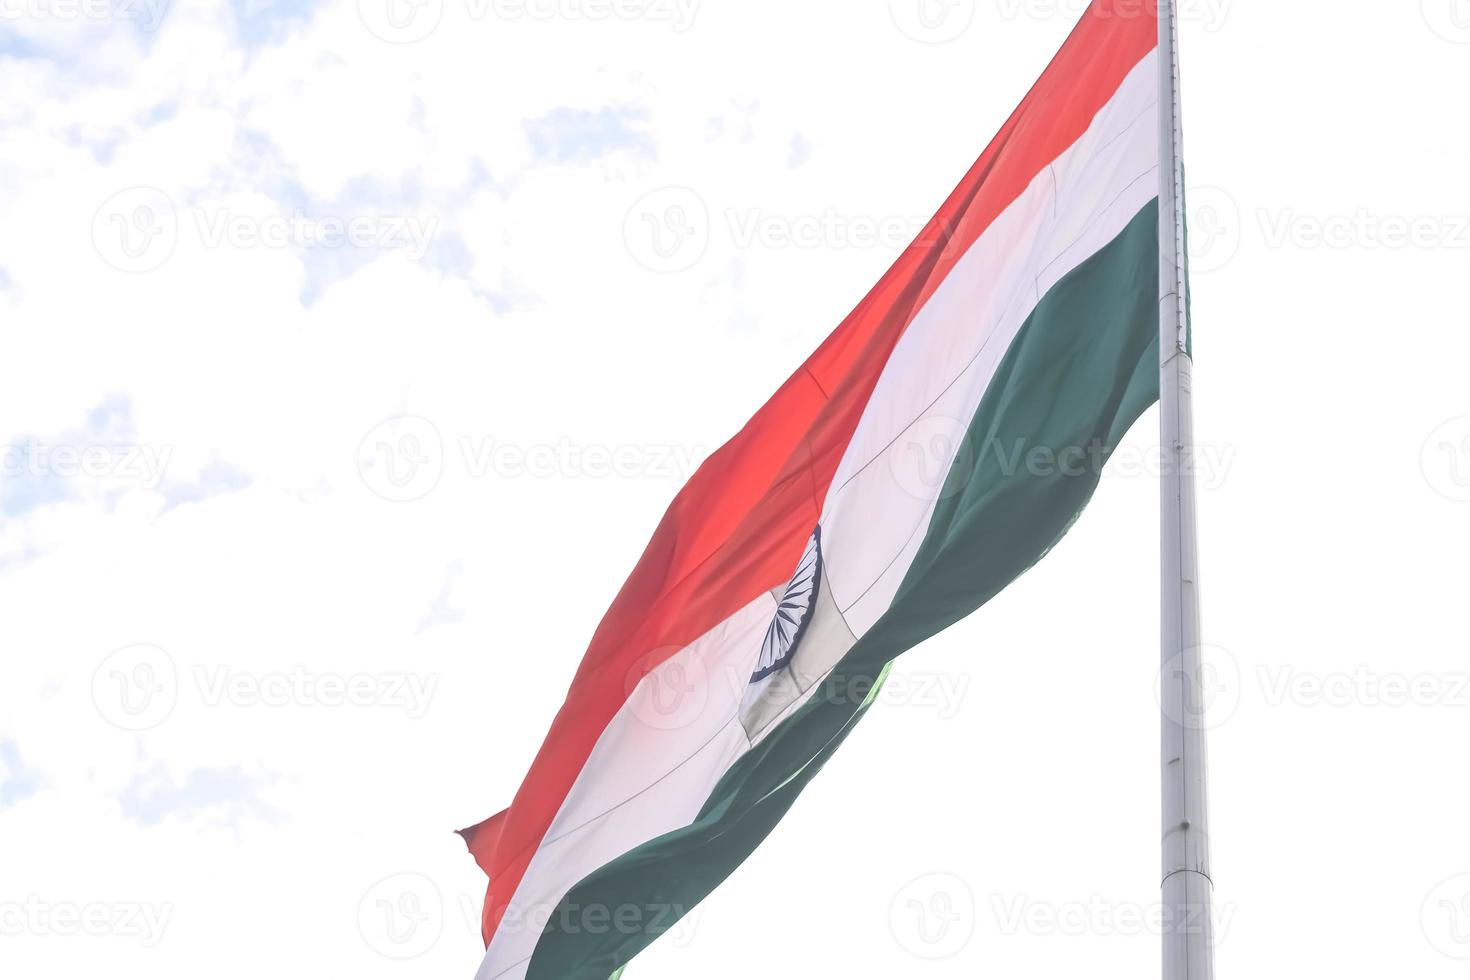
(1082,369)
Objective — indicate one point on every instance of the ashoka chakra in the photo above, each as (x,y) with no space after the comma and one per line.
(793,612)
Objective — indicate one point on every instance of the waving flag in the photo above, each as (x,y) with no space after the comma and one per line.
(1019,333)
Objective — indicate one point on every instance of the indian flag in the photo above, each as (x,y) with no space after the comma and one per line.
(934,447)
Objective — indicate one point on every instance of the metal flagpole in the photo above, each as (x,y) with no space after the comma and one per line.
(1188,925)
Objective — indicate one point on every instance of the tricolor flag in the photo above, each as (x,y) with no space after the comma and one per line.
(801,559)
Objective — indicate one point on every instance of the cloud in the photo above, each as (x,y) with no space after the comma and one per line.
(64,34)
(441,613)
(29,485)
(217,795)
(71,464)
(214,479)
(253,371)
(336,229)
(17,780)
(161,112)
(568,135)
(801,151)
(262,23)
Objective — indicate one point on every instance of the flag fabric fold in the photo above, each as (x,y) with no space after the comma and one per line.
(934,447)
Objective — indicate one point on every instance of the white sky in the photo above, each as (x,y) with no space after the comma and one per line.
(226,518)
